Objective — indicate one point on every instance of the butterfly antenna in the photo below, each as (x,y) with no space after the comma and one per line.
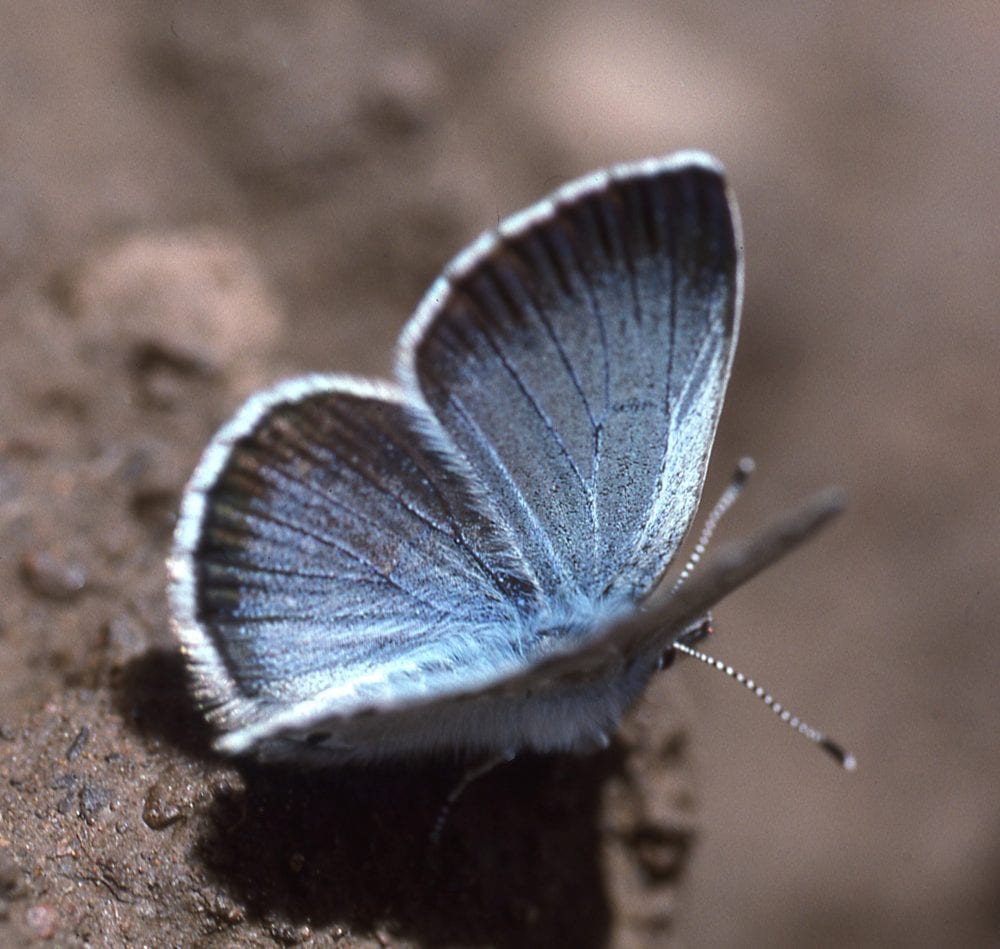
(473,773)
(840,754)
(734,489)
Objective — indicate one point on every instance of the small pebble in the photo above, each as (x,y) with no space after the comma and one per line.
(77,746)
(93,798)
(10,873)
(52,578)
(161,808)
(661,851)
(41,919)
(182,303)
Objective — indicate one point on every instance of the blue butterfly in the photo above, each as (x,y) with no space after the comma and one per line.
(457,560)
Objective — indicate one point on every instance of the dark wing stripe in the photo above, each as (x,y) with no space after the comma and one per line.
(573,274)
(488,449)
(619,227)
(488,333)
(351,441)
(543,252)
(557,248)
(344,459)
(256,517)
(520,294)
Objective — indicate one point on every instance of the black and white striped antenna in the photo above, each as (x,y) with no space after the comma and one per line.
(840,754)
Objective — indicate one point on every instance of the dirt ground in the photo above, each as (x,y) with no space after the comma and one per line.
(197,199)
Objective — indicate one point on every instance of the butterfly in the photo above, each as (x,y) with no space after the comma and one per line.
(460,560)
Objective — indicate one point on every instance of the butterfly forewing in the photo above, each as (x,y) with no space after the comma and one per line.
(579,366)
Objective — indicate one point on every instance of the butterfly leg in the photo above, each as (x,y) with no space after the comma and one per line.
(473,773)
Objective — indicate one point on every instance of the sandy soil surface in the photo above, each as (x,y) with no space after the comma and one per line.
(198,199)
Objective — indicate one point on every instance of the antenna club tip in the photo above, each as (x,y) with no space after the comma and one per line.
(841,755)
(745,467)
(834,498)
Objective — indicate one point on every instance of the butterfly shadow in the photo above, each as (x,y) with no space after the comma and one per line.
(517,863)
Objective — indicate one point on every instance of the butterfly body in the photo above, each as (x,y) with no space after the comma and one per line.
(365,570)
(575,715)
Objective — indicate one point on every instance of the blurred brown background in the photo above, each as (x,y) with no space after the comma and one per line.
(196,199)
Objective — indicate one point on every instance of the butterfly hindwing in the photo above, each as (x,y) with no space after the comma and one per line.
(335,553)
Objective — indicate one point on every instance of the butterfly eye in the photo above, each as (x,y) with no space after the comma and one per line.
(691,635)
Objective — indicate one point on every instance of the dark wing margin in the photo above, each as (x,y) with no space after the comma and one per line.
(578,358)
